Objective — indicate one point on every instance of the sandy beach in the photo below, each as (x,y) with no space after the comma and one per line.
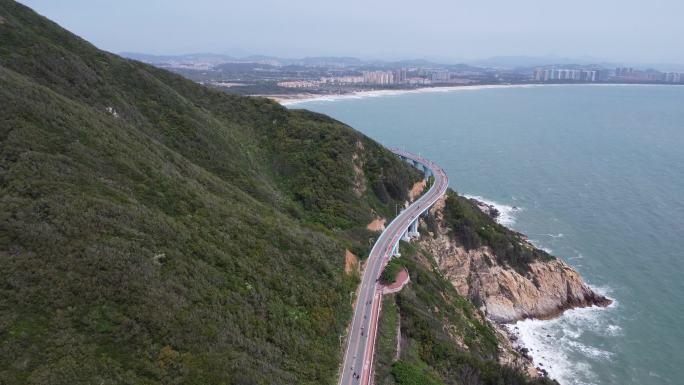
(289,100)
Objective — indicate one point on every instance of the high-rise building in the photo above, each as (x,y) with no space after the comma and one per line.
(673,77)
(624,72)
(544,75)
(378,77)
(440,76)
(400,75)
(603,75)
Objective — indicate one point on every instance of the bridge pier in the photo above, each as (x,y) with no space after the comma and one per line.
(413,229)
(427,173)
(395,250)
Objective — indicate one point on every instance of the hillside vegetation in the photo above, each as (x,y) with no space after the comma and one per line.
(156,231)
(475,229)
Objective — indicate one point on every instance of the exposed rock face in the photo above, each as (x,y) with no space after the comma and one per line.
(505,295)
(377,224)
(351,262)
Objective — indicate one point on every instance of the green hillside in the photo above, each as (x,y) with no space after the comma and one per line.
(154,231)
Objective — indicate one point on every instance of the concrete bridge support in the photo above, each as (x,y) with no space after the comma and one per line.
(413,229)
(426,171)
(407,236)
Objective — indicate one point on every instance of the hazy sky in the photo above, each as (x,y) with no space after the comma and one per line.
(617,30)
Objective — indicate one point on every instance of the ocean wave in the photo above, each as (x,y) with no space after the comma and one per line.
(559,235)
(562,346)
(591,351)
(543,340)
(506,213)
(540,245)
(614,330)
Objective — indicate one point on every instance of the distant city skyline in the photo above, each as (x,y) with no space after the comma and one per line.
(627,31)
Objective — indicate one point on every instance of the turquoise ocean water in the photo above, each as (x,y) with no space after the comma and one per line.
(597,176)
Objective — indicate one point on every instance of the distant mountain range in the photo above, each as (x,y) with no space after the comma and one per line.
(206,60)
(262,59)
(316,61)
(496,62)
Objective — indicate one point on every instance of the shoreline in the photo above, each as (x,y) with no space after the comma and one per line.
(289,100)
(536,340)
(526,335)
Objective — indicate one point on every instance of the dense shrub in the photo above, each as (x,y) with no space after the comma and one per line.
(394,266)
(474,229)
(156,231)
(407,374)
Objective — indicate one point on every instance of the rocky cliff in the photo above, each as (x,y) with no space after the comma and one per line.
(505,294)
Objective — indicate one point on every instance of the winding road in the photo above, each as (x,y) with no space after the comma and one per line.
(358,358)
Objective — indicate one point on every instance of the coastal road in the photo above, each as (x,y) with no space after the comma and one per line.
(357,366)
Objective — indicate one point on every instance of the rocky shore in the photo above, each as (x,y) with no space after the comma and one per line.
(488,209)
(513,336)
(504,294)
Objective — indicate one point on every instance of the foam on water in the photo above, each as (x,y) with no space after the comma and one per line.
(559,235)
(558,346)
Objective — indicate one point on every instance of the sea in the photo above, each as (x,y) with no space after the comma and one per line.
(594,174)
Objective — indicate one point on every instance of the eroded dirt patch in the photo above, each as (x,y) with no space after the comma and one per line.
(377,224)
(417,189)
(351,262)
(359,176)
